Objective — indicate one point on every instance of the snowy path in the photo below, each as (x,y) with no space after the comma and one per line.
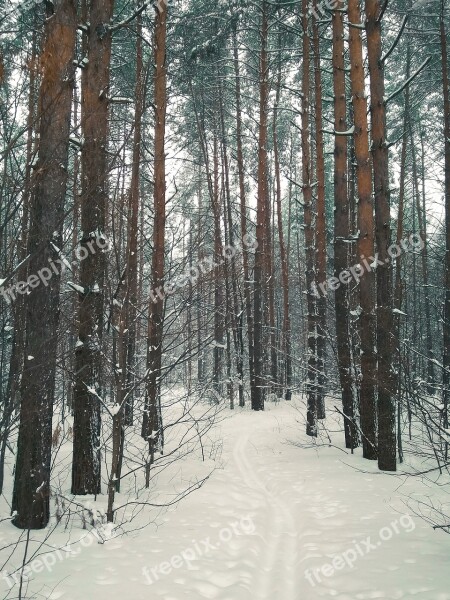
(264,526)
(281,534)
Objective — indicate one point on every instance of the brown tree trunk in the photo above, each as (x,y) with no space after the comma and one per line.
(342,230)
(386,405)
(18,345)
(431,360)
(311,386)
(320,233)
(199,293)
(365,246)
(243,209)
(31,493)
(269,285)
(398,284)
(152,423)
(421,219)
(89,377)
(219,322)
(233,303)
(131,299)
(257,390)
(286,380)
(446,91)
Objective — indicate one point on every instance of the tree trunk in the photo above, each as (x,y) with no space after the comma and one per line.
(311,389)
(233,304)
(365,246)
(89,376)
(152,424)
(380,158)
(342,230)
(320,233)
(286,330)
(421,219)
(131,299)
(446,353)
(257,391)
(398,284)
(31,495)
(243,209)
(219,323)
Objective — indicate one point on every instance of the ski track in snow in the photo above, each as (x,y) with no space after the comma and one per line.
(280,548)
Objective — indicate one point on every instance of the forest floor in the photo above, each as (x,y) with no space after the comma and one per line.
(278,520)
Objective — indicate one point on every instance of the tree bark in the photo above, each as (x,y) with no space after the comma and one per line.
(446,93)
(365,246)
(131,299)
(243,209)
(31,495)
(320,232)
(342,230)
(311,385)
(89,376)
(152,425)
(385,405)
(257,390)
(286,379)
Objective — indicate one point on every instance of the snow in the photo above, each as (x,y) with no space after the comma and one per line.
(357,312)
(275,515)
(350,131)
(61,256)
(121,100)
(76,141)
(76,287)
(115,409)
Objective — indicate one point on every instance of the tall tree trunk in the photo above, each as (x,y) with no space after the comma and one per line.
(17,351)
(320,233)
(386,406)
(342,230)
(89,377)
(31,495)
(132,245)
(269,285)
(152,425)
(431,360)
(398,284)
(199,292)
(311,386)
(446,91)
(367,323)
(219,322)
(243,209)
(421,219)
(257,391)
(286,328)
(233,303)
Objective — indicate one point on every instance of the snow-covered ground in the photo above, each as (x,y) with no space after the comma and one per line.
(278,519)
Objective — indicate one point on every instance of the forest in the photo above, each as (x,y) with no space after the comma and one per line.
(224,294)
